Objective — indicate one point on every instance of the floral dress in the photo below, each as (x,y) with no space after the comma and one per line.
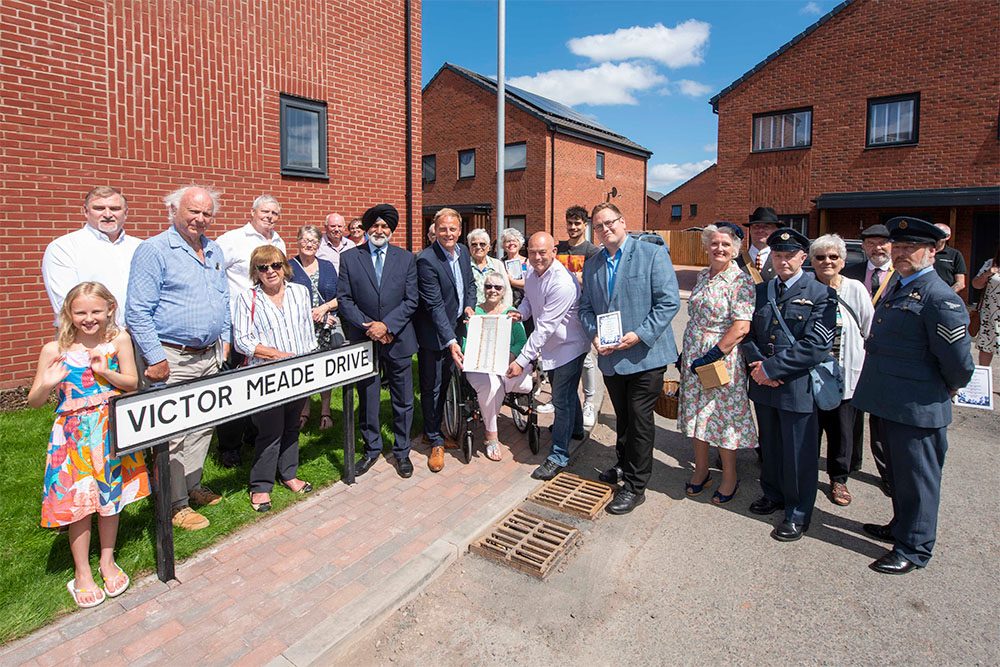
(988,339)
(81,478)
(719,416)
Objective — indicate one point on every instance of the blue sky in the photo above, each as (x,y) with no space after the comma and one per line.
(644,69)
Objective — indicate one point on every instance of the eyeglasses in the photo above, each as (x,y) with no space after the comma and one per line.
(606,226)
(478,244)
(822,258)
(274,266)
(309,242)
(498,288)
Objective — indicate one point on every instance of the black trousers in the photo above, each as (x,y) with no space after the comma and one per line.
(276,451)
(434,368)
(788,471)
(877,442)
(915,457)
(839,425)
(233,434)
(633,397)
(399,379)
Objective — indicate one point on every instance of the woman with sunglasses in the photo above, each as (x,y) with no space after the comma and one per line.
(484,265)
(842,425)
(490,388)
(274,321)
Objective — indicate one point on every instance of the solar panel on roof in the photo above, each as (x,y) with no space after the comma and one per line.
(557,109)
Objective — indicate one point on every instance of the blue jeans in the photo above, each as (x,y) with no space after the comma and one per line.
(569,414)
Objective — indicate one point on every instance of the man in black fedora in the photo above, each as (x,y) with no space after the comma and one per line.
(755,258)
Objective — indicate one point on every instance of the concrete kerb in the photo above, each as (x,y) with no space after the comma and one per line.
(359,619)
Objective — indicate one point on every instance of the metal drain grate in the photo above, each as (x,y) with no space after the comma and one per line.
(526,542)
(574,495)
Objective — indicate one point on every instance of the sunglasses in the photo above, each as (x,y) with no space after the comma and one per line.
(478,244)
(821,258)
(274,266)
(498,288)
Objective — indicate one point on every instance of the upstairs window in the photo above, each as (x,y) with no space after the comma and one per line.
(782,130)
(600,164)
(675,212)
(430,168)
(515,157)
(893,121)
(467,163)
(303,137)
(694,210)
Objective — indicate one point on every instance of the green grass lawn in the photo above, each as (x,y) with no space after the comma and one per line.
(35,562)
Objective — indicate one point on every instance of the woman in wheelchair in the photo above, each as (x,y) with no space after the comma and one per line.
(490,388)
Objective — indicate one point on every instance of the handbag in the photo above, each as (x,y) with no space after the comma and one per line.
(826,378)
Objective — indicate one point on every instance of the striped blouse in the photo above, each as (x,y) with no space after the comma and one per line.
(257,321)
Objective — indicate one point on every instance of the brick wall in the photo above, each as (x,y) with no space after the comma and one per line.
(152,96)
(700,190)
(945,50)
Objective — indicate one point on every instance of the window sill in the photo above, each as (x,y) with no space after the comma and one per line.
(779,150)
(901,144)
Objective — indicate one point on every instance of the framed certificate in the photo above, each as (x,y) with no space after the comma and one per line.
(515,268)
(609,328)
(487,347)
(979,392)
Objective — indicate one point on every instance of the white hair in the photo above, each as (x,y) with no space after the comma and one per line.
(479,234)
(828,241)
(173,200)
(511,233)
(711,230)
(264,199)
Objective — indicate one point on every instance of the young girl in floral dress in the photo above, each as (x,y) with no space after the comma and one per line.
(90,362)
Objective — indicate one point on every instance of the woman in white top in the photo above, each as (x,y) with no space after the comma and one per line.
(854,317)
(483,265)
(274,321)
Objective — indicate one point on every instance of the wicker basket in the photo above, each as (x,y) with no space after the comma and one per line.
(666,404)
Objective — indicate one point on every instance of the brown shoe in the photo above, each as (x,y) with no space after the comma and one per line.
(436,462)
(188,519)
(450,444)
(203,497)
(840,494)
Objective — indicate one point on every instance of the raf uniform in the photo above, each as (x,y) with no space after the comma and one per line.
(917,354)
(786,414)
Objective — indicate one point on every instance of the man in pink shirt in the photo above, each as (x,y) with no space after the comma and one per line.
(334,242)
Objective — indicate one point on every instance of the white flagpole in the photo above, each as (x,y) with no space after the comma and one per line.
(501,104)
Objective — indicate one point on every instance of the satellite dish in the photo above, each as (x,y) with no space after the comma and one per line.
(614,192)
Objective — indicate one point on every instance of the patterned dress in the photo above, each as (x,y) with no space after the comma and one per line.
(719,416)
(81,478)
(988,339)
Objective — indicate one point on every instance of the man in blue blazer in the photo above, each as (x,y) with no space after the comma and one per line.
(637,280)
(780,384)
(916,357)
(376,298)
(447,299)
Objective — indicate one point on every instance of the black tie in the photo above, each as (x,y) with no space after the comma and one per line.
(876,280)
(781,289)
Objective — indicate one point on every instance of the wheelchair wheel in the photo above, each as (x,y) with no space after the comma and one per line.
(467,447)
(452,418)
(534,438)
(520,408)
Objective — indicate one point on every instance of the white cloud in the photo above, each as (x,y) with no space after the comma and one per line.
(675,47)
(693,88)
(604,84)
(811,8)
(666,176)
(712,147)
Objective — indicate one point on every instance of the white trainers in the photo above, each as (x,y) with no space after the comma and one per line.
(589,414)
(545,408)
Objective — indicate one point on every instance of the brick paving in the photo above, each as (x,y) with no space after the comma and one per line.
(249,598)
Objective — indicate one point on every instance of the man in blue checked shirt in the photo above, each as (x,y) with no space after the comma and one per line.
(177,311)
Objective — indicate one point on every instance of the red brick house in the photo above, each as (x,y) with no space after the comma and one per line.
(555,157)
(252,98)
(882,107)
(690,204)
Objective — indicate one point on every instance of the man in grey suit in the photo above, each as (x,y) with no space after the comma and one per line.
(636,280)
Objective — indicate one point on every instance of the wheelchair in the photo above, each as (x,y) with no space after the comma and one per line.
(461,412)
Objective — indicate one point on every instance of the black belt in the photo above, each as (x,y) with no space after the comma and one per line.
(187,349)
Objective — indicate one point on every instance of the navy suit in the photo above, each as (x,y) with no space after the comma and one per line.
(439,319)
(917,353)
(362,298)
(786,414)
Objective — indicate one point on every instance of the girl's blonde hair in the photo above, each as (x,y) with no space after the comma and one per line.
(67,334)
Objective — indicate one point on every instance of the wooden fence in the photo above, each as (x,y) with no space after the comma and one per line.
(685,247)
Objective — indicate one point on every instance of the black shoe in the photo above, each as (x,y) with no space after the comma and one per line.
(547,470)
(893,563)
(404,467)
(788,531)
(364,465)
(879,532)
(765,506)
(582,435)
(230,458)
(612,475)
(625,501)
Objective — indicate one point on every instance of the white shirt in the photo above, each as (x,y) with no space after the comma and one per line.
(763,252)
(257,321)
(552,300)
(84,255)
(237,246)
